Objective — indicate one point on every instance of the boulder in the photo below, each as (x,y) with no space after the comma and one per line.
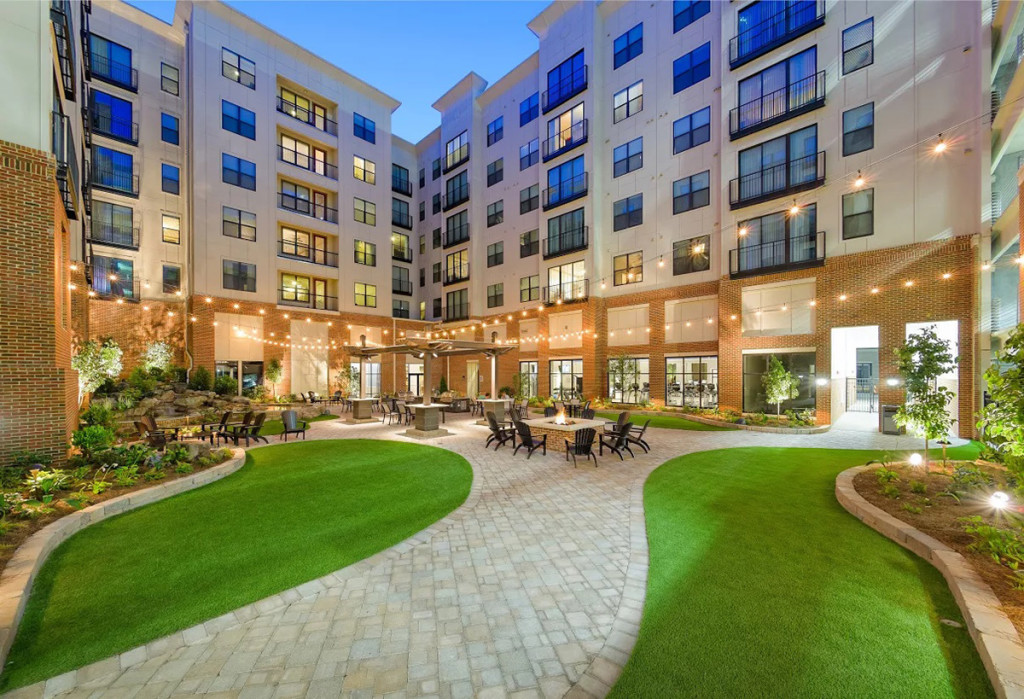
(167,396)
(196,449)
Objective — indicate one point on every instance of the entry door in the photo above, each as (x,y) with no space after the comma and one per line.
(320,294)
(319,249)
(473,378)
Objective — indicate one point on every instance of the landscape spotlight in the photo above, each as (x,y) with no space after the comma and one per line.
(915,459)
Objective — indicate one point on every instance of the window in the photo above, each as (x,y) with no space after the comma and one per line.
(691,192)
(239,224)
(400,213)
(169,129)
(691,381)
(456,151)
(628,212)
(691,130)
(566,378)
(112,276)
(436,272)
(114,170)
(170,229)
(364,170)
(365,253)
(238,172)
(400,280)
(529,154)
(566,79)
(859,129)
(435,236)
(529,198)
(628,46)
(435,168)
(456,228)
(762,26)
(686,12)
(495,213)
(858,214)
(423,277)
(529,288)
(435,203)
(689,69)
(628,101)
(456,266)
(528,375)
(529,109)
(112,62)
(495,131)
(457,305)
(778,164)
(777,91)
(495,172)
(237,120)
(629,379)
(567,282)
(566,233)
(168,79)
(456,189)
(859,46)
(364,211)
(240,276)
(529,243)
(778,239)
(364,128)
(423,211)
(400,249)
(112,116)
(113,224)
(566,182)
(423,310)
(170,179)
(495,254)
(423,244)
(628,268)
(628,157)
(301,154)
(400,180)
(437,308)
(238,68)
(171,278)
(423,178)
(366,295)
(399,308)
(801,364)
(693,255)
(495,295)
(294,242)
(565,131)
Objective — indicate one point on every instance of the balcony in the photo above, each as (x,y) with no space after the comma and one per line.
(567,88)
(399,186)
(458,311)
(564,141)
(317,121)
(567,292)
(456,235)
(306,162)
(782,27)
(779,180)
(566,242)
(798,252)
(106,288)
(793,100)
(401,286)
(305,298)
(565,191)
(121,130)
(114,73)
(114,236)
(306,253)
(114,180)
(456,274)
(60,17)
(62,144)
(458,195)
(402,219)
(290,202)
(401,253)
(455,158)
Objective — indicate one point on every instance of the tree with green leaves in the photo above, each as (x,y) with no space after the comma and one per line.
(921,361)
(96,362)
(272,373)
(158,355)
(779,384)
(622,374)
(1002,420)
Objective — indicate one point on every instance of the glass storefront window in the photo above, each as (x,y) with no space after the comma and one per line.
(528,378)
(566,378)
(629,379)
(802,364)
(691,381)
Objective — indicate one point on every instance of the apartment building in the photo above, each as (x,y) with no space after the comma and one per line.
(651,204)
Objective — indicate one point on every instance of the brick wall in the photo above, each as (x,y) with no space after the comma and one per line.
(134,326)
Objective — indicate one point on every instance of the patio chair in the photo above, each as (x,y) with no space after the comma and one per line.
(387,416)
(587,414)
(527,440)
(212,429)
(617,427)
(153,438)
(314,398)
(336,399)
(636,436)
(499,435)
(170,432)
(550,412)
(292,424)
(401,411)
(617,442)
(251,432)
(583,446)
(303,397)
(587,406)
(230,431)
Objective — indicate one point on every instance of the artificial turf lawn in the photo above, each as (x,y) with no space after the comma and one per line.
(293,513)
(761,584)
(272,428)
(669,422)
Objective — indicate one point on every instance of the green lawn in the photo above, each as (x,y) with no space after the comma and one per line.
(293,513)
(276,427)
(667,421)
(761,584)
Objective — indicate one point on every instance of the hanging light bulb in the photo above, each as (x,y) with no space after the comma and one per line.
(743,231)
(859,182)
(795,209)
(940,147)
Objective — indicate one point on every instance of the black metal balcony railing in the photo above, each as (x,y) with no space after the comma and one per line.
(401,253)
(116,236)
(565,140)
(566,242)
(306,253)
(306,162)
(455,158)
(114,180)
(793,20)
(317,121)
(60,16)
(114,72)
(567,88)
(306,298)
(400,186)
(797,175)
(456,275)
(456,196)
(401,219)
(305,207)
(106,288)
(566,191)
(566,292)
(62,144)
(798,98)
(401,286)
(118,129)
(459,311)
(456,235)
(797,252)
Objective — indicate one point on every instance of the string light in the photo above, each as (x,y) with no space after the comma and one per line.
(940,147)
(859,182)
(795,209)
(874,290)
(946,275)
(909,283)
(842,297)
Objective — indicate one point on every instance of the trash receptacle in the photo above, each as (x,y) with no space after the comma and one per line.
(887,416)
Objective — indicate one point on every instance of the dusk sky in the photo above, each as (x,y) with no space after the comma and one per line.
(413,51)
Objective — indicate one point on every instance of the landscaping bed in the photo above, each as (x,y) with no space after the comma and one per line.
(952,504)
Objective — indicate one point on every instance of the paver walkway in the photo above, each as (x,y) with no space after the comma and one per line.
(533,588)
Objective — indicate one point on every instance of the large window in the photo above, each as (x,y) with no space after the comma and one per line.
(629,379)
(239,276)
(690,68)
(691,192)
(628,101)
(455,152)
(686,12)
(859,129)
(778,90)
(528,379)
(567,282)
(112,116)
(113,224)
(237,119)
(366,295)
(111,62)
(566,232)
(565,80)
(456,228)
(113,170)
(691,381)
(364,128)
(456,189)
(628,46)
(628,157)
(529,288)
(239,172)
(778,239)
(529,109)
(800,364)
(112,276)
(693,255)
(529,154)
(859,214)
(691,130)
(628,268)
(566,182)
(566,378)
(765,24)
(495,131)
(628,212)
(239,224)
(779,164)
(859,46)
(566,130)
(399,308)
(238,68)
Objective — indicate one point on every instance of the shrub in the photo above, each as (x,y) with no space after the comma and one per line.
(912,509)
(142,381)
(272,373)
(128,398)
(224,385)
(890,491)
(443,386)
(506,390)
(178,374)
(98,414)
(918,487)
(1004,546)
(131,454)
(95,363)
(1001,423)
(158,355)
(886,475)
(92,440)
(258,393)
(201,379)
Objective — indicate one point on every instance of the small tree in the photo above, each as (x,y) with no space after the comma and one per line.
(95,363)
(621,371)
(1002,421)
(443,386)
(523,385)
(272,373)
(921,360)
(158,355)
(779,384)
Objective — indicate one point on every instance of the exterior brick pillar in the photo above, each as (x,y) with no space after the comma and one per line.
(730,353)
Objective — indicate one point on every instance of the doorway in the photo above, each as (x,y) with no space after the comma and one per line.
(473,378)
(855,370)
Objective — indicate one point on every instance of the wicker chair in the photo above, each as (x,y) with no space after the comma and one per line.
(583,446)
(527,440)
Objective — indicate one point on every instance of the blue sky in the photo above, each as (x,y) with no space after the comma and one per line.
(413,51)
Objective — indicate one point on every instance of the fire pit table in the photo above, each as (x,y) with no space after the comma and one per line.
(559,431)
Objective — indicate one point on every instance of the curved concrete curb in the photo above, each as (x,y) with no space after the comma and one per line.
(819,429)
(21,571)
(997,640)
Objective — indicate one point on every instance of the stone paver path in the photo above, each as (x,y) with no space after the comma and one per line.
(533,588)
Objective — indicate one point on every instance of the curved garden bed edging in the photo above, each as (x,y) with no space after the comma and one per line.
(20,573)
(998,643)
(817,429)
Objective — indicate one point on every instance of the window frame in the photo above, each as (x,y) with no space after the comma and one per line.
(699,246)
(496,213)
(631,262)
(532,109)
(496,130)
(632,214)
(164,219)
(242,218)
(368,294)
(364,128)
(239,268)
(240,175)
(170,179)
(633,160)
(697,68)
(854,219)
(626,46)
(870,43)
(692,132)
(496,254)
(166,130)
(686,12)
(165,79)
(851,148)
(239,64)
(632,101)
(233,118)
